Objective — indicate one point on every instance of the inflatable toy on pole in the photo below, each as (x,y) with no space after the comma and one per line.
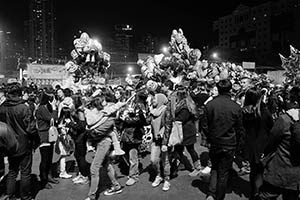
(291,66)
(181,64)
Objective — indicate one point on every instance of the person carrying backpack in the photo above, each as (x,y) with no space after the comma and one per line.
(282,162)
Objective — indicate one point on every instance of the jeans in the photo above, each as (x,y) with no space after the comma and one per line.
(270,192)
(157,157)
(83,166)
(46,162)
(132,150)
(178,154)
(23,163)
(101,159)
(221,161)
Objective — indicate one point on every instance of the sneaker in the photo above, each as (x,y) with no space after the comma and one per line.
(206,170)
(89,198)
(131,181)
(195,172)
(115,189)
(65,175)
(77,178)
(210,198)
(82,180)
(157,181)
(166,186)
(119,152)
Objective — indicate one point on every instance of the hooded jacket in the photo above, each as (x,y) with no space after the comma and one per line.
(18,115)
(161,119)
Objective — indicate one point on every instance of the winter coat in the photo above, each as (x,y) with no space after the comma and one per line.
(183,115)
(17,115)
(280,171)
(43,117)
(257,132)
(77,129)
(161,120)
(224,129)
(133,125)
(8,141)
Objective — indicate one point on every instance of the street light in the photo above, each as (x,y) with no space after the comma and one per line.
(215,55)
(130,69)
(165,49)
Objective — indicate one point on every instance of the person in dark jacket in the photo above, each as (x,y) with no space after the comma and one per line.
(46,112)
(282,171)
(186,112)
(224,131)
(8,145)
(77,125)
(133,120)
(17,115)
(258,121)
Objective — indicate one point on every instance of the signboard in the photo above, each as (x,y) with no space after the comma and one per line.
(248,65)
(46,72)
(277,76)
(144,56)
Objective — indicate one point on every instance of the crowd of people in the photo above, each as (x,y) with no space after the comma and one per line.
(246,121)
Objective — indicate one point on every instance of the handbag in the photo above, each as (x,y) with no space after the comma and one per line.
(53,132)
(176,136)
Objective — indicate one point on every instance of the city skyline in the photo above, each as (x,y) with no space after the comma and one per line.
(157,18)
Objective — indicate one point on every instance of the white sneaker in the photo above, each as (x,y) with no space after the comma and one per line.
(206,170)
(195,172)
(82,180)
(77,178)
(65,175)
(157,181)
(166,186)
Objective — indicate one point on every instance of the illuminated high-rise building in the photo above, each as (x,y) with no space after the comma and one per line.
(40,31)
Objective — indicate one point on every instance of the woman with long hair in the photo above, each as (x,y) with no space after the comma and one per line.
(46,111)
(77,125)
(186,112)
(257,121)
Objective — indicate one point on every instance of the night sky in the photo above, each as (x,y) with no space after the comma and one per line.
(98,17)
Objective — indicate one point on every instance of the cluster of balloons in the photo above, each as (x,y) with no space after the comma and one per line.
(88,58)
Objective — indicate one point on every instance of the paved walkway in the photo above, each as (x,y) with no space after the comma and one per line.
(183,187)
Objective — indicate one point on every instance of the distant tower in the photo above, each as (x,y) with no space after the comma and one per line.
(123,37)
(40,31)
(2,51)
